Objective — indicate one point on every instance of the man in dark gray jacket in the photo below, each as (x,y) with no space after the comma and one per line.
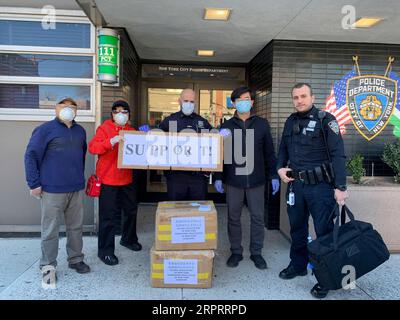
(245,160)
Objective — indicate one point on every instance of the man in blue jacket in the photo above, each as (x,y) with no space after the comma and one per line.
(54,167)
(244,174)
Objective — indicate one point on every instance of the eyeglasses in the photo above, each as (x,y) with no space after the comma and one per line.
(121,111)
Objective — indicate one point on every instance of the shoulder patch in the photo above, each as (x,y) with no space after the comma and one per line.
(334,125)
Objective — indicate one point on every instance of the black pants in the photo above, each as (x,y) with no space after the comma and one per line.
(186,186)
(317,200)
(108,207)
(255,203)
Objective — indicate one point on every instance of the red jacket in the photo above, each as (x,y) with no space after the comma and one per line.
(106,167)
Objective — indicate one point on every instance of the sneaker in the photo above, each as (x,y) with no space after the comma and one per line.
(234,260)
(290,272)
(319,292)
(110,260)
(259,261)
(134,246)
(80,267)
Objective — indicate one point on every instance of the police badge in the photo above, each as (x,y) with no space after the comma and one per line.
(371,100)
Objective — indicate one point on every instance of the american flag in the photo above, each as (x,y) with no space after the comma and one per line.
(336,102)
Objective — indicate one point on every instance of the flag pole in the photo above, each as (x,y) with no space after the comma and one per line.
(390,60)
(355,59)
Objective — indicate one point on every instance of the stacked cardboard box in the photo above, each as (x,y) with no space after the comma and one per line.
(186,237)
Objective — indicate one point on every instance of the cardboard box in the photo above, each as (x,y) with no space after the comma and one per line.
(181,269)
(186,225)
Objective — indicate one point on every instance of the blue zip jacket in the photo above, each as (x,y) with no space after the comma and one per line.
(55,157)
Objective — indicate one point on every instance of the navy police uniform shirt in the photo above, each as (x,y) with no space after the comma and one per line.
(303,146)
(180,121)
(193,121)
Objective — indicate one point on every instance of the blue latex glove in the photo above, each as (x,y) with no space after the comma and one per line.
(225,132)
(218,186)
(144,128)
(275,186)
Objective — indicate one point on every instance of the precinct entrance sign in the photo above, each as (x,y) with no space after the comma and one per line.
(170,150)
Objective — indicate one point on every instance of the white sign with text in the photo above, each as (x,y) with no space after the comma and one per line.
(177,151)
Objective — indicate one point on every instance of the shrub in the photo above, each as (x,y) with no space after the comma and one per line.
(355,166)
(391,156)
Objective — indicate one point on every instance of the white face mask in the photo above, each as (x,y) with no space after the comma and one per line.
(121,119)
(67,114)
(187,108)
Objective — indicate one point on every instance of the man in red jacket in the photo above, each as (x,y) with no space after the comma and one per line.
(116,185)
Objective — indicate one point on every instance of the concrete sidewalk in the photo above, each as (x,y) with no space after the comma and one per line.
(20,277)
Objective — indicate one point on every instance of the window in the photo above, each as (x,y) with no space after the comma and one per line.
(41,96)
(39,66)
(44,65)
(31,33)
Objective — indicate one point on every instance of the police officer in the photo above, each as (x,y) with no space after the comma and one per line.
(313,148)
(186,185)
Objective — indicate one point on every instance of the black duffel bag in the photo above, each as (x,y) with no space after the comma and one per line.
(354,243)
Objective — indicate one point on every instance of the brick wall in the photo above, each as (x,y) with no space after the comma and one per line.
(282,63)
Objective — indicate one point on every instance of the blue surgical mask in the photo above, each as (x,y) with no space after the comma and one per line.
(243,106)
(187,108)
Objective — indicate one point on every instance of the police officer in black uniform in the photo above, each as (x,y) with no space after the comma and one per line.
(312,147)
(185,185)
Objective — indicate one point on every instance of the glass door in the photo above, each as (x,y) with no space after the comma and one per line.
(215,105)
(214,101)
(161,102)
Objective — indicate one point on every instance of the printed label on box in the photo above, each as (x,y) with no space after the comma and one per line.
(188,230)
(180,271)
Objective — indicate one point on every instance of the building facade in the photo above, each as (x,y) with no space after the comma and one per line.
(40,65)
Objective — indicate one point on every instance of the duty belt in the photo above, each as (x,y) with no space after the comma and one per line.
(314,176)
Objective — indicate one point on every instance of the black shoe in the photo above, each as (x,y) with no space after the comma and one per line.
(111,260)
(290,272)
(234,260)
(134,246)
(319,292)
(80,267)
(259,261)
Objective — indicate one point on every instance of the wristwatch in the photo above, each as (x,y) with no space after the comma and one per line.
(342,188)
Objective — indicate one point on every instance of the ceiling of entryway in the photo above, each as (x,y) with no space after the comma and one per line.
(174,29)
